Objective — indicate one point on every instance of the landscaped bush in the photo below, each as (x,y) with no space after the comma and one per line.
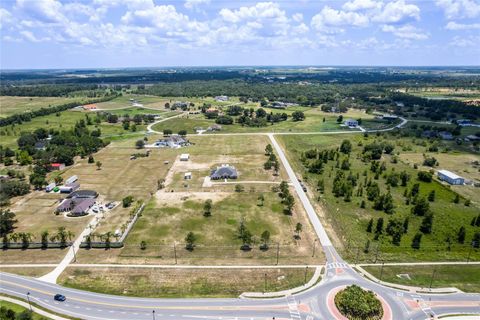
(355,303)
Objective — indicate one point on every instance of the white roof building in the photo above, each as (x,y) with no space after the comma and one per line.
(184,157)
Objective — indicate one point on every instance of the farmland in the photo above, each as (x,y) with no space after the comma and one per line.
(17,105)
(350,221)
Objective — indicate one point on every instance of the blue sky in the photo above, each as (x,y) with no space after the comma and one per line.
(142,33)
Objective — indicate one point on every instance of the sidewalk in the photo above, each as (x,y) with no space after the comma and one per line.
(34,309)
(312,282)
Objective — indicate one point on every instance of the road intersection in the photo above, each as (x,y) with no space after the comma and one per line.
(313,303)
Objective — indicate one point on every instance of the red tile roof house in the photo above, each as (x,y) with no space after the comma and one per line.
(57,166)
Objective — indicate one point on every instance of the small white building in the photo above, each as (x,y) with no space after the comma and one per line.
(50,187)
(187,176)
(351,123)
(184,157)
(221,98)
(72,179)
(450,177)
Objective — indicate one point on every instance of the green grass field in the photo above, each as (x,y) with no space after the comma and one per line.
(463,277)
(350,221)
(13,105)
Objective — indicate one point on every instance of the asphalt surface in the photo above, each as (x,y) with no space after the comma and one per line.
(314,303)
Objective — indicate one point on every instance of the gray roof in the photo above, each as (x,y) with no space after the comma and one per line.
(224,172)
(65,205)
(83,194)
(82,205)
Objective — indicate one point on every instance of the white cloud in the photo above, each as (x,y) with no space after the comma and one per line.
(297,17)
(397,12)
(459,8)
(47,11)
(452,25)
(471,41)
(5,17)
(406,32)
(357,5)
(194,4)
(262,10)
(330,20)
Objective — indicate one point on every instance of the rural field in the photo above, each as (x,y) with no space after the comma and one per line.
(178,208)
(17,105)
(314,122)
(172,283)
(463,277)
(348,222)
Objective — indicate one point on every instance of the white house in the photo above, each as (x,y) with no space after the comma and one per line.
(450,177)
(351,123)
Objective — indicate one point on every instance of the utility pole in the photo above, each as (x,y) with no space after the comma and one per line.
(265,283)
(433,275)
(306,270)
(278,251)
(29,304)
(175,251)
(313,251)
(356,257)
(381,271)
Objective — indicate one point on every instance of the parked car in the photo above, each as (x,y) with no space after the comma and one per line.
(59,297)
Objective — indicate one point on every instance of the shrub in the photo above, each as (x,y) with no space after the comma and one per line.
(355,303)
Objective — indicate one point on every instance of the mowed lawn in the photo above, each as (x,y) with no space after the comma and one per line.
(182,283)
(350,221)
(463,277)
(16,105)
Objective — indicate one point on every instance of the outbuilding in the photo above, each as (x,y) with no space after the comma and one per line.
(50,187)
(72,179)
(450,177)
(351,123)
(184,157)
(187,176)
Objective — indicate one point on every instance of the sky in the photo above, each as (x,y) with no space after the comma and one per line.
(37,34)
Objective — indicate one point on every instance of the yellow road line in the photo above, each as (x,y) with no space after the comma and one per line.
(246,307)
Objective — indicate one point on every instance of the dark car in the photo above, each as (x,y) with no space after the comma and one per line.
(59,297)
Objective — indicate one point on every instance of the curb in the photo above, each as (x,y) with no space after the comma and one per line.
(34,309)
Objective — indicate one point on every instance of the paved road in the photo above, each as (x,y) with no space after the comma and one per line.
(314,303)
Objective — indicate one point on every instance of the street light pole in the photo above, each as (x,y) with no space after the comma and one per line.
(433,275)
(74,254)
(278,251)
(175,251)
(306,270)
(153,314)
(265,283)
(29,304)
(313,251)
(381,271)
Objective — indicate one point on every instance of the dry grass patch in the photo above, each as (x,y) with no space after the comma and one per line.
(183,283)
(27,271)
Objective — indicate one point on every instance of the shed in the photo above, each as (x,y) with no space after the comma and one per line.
(187,176)
(450,177)
(72,179)
(184,157)
(50,187)
(57,166)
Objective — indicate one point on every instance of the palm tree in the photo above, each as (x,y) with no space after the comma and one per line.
(44,236)
(26,239)
(14,237)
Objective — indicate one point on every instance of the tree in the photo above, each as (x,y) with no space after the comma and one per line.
(265,237)
(431,196)
(405,224)
(298,116)
(44,237)
(98,164)
(182,133)
(421,207)
(289,202)
(127,201)
(476,240)
(340,119)
(167,132)
(7,222)
(388,206)
(355,303)
(140,144)
(370,226)
(224,120)
(461,235)
(91,159)
(426,226)
(456,199)
(298,229)
(207,208)
(395,230)
(284,191)
(379,227)
(268,150)
(244,235)
(190,241)
(261,200)
(346,146)
(416,241)
(367,246)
